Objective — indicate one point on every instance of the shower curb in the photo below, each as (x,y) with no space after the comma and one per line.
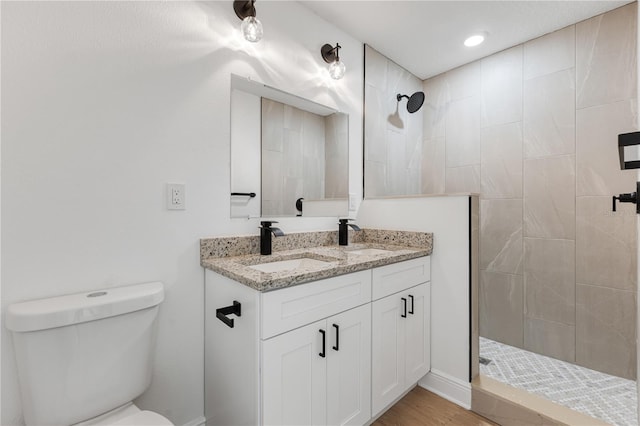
(507,405)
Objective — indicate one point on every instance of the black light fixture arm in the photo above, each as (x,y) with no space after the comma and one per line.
(244,8)
(330,54)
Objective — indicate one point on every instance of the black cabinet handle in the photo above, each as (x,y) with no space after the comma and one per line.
(411,309)
(404,308)
(323,353)
(337,346)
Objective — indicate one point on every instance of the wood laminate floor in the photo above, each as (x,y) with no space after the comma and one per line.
(421,407)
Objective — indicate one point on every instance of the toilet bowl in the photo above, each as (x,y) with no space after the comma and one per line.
(83,358)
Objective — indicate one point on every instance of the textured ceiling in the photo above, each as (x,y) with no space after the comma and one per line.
(426,37)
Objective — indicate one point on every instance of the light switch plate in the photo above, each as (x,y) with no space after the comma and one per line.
(175,196)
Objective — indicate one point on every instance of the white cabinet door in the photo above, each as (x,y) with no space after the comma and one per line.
(417,333)
(387,352)
(294,377)
(401,350)
(349,367)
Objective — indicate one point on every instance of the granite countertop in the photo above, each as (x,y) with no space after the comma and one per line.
(234,256)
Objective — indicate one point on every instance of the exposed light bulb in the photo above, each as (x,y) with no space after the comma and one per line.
(474,40)
(252,29)
(337,69)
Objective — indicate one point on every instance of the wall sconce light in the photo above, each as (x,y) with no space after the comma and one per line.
(251,26)
(331,56)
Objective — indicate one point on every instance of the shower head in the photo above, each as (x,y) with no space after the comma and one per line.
(415,101)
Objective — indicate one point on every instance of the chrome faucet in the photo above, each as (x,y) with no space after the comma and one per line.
(265,235)
(343,228)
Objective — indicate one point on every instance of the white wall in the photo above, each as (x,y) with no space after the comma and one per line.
(105,102)
(448,218)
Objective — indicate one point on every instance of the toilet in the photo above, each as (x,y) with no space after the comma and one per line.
(83,358)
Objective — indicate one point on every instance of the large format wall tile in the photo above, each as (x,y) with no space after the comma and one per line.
(463,132)
(395,163)
(313,130)
(293,189)
(375,179)
(294,118)
(292,150)
(606,57)
(376,64)
(598,164)
(375,129)
(550,338)
(500,310)
(436,104)
(606,330)
(433,166)
(462,179)
(502,87)
(336,156)
(550,115)
(501,161)
(605,243)
(501,236)
(272,125)
(549,197)
(272,178)
(313,178)
(550,280)
(464,81)
(550,53)
(392,136)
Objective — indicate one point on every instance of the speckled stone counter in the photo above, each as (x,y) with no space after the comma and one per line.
(234,256)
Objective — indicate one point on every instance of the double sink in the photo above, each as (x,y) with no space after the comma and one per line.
(310,260)
(298,259)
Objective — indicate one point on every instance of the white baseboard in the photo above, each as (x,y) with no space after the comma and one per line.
(448,387)
(200,421)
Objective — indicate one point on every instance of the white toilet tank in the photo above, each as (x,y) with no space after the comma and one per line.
(81,355)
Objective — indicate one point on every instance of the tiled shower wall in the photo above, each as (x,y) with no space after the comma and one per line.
(533,129)
(303,155)
(336,151)
(392,136)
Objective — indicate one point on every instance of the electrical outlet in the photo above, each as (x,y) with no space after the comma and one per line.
(175,196)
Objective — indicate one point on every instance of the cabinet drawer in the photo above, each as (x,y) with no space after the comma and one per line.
(400,276)
(292,307)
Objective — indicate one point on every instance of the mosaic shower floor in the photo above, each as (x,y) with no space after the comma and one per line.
(608,398)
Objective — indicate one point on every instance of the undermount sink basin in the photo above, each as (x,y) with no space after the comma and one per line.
(369,251)
(288,265)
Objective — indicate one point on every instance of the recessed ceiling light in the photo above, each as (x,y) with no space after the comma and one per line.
(474,40)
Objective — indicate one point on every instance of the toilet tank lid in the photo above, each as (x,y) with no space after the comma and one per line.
(82,307)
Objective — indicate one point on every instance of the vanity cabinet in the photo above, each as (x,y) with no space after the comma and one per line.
(319,373)
(317,353)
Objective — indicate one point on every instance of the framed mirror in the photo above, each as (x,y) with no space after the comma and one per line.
(289,155)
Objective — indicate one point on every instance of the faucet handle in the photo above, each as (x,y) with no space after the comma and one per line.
(345,220)
(267,223)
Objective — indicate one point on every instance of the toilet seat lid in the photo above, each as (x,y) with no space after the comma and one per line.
(144,418)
